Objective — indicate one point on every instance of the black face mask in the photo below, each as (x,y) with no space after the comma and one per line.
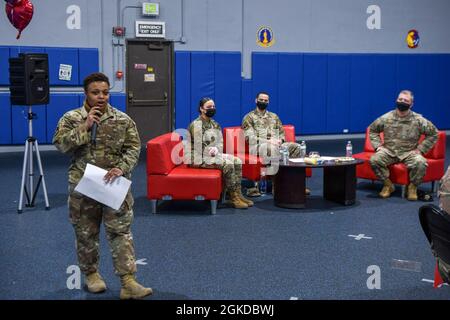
(262,105)
(210,112)
(401,106)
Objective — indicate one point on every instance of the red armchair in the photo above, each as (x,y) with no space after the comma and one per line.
(398,172)
(167,180)
(234,143)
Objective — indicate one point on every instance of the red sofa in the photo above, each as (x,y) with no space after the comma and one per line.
(398,172)
(167,180)
(234,143)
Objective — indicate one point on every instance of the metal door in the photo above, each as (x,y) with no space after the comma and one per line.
(150,86)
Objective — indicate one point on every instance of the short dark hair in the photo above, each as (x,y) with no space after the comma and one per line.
(202,102)
(94,77)
(261,92)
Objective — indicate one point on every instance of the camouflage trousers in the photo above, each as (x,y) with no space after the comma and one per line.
(416,164)
(86,216)
(230,166)
(268,150)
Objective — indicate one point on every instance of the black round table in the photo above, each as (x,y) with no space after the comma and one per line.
(339,183)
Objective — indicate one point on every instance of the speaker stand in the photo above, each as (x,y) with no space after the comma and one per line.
(28,164)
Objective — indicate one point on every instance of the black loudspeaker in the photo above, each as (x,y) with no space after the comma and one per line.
(28,78)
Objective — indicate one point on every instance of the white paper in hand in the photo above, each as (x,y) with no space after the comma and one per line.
(93,186)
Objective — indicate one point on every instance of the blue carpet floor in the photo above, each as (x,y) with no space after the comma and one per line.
(262,253)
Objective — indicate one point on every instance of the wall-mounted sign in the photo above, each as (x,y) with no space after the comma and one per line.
(265,37)
(413,39)
(150,9)
(65,72)
(148,29)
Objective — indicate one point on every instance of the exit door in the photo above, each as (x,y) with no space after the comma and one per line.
(150,86)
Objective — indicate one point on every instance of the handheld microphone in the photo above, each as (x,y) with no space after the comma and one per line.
(93,132)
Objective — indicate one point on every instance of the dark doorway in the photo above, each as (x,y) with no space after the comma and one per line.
(150,86)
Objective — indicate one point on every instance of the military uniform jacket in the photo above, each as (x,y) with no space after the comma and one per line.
(262,126)
(203,134)
(117,142)
(401,134)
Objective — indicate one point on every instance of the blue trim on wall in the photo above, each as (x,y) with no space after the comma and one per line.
(182,89)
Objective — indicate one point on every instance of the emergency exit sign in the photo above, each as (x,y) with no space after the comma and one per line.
(147,29)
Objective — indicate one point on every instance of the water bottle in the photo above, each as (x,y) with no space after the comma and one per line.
(263,183)
(284,152)
(303,149)
(349,149)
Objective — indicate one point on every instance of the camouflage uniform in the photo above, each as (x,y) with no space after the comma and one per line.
(444,203)
(401,138)
(259,127)
(117,146)
(205,134)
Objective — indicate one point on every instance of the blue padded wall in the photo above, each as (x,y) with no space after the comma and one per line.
(265,76)
(59,104)
(14,51)
(361,92)
(227,88)
(4,66)
(384,84)
(182,89)
(290,82)
(20,124)
(442,103)
(118,100)
(247,98)
(202,79)
(5,119)
(88,62)
(58,56)
(338,93)
(314,117)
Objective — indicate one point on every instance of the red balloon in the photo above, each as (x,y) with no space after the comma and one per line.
(19,13)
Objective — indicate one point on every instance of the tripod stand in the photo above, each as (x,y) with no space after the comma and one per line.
(28,164)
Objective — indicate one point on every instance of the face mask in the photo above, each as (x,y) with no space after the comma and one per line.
(210,112)
(401,106)
(261,105)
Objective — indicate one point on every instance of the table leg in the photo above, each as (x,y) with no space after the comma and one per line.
(290,187)
(339,184)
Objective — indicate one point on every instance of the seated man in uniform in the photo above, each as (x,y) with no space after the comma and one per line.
(264,131)
(444,204)
(402,130)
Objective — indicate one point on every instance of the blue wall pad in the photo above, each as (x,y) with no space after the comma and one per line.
(314,93)
(20,124)
(384,85)
(432,79)
(62,56)
(118,100)
(247,98)
(182,89)
(59,104)
(4,66)
(202,79)
(88,62)
(5,119)
(265,76)
(443,98)
(14,51)
(227,88)
(361,92)
(290,82)
(338,93)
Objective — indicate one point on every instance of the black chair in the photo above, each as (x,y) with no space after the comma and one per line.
(436,225)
